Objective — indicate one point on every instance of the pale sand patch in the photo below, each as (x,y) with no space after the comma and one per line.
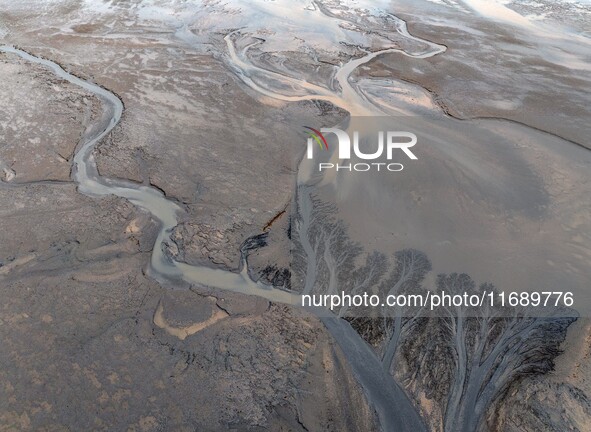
(133,227)
(184,332)
(16,263)
(574,365)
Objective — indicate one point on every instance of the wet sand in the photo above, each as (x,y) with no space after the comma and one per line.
(195,71)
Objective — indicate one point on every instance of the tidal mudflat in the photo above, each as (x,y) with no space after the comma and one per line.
(160,219)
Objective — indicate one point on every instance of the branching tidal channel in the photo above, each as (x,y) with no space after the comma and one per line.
(483,368)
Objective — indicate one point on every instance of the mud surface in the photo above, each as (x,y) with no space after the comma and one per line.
(215,96)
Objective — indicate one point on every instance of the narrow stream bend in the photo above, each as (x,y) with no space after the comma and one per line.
(395,411)
(150,199)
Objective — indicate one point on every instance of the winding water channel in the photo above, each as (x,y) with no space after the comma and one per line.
(395,411)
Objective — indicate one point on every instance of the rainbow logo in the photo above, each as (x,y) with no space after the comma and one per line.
(318,137)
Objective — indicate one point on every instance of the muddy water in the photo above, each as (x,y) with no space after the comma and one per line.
(149,199)
(166,211)
(498,200)
(394,409)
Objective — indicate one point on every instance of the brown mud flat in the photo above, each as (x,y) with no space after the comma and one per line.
(84,327)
